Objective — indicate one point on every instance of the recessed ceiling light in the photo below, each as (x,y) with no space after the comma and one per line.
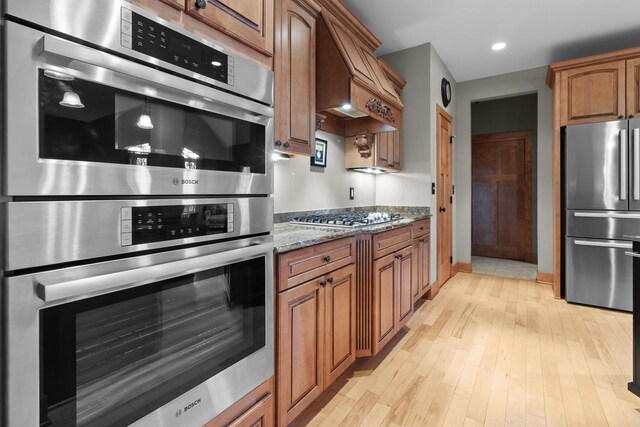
(499,46)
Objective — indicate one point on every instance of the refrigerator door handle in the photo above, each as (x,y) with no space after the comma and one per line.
(624,164)
(633,254)
(618,215)
(604,244)
(636,163)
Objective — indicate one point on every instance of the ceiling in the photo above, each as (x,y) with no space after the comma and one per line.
(537,32)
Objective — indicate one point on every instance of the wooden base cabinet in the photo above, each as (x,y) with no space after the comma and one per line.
(420,233)
(394,278)
(256,409)
(316,335)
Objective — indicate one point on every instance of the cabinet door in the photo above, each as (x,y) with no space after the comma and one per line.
(250,21)
(396,151)
(384,301)
(178,4)
(594,93)
(340,327)
(300,349)
(260,415)
(405,282)
(423,274)
(633,88)
(382,149)
(296,79)
(416,290)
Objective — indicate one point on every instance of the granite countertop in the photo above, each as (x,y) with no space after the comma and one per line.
(288,236)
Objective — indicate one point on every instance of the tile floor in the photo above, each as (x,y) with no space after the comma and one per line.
(504,267)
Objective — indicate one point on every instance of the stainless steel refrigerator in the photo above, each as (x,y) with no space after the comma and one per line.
(602,205)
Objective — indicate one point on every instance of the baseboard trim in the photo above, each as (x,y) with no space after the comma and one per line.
(460,267)
(544,278)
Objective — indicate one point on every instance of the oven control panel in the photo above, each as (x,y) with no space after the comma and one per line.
(149,224)
(150,38)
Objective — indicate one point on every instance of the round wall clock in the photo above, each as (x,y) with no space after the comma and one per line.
(446,92)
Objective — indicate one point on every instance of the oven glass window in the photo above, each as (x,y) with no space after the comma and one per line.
(86,121)
(112,359)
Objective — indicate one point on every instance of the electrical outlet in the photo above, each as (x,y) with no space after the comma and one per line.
(352,193)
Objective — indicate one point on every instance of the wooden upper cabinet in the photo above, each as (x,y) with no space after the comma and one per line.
(178,4)
(593,93)
(356,59)
(250,21)
(340,326)
(633,88)
(301,339)
(296,76)
(388,150)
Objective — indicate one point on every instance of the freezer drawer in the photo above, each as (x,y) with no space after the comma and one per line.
(602,224)
(598,273)
(596,166)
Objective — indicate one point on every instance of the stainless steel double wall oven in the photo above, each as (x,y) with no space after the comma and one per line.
(138,253)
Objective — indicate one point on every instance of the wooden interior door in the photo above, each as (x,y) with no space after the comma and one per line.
(444,197)
(501,195)
(340,314)
(301,339)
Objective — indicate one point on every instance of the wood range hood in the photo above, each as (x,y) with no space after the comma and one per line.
(351,85)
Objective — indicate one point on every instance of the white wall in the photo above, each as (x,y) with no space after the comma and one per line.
(411,187)
(423,70)
(491,88)
(300,186)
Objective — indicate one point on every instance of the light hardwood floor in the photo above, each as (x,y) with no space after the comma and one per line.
(492,351)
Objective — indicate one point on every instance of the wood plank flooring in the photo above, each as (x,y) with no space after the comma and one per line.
(491,351)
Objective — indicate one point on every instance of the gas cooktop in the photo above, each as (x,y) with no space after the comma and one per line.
(346,220)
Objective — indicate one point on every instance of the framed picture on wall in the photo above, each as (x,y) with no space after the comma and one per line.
(320,158)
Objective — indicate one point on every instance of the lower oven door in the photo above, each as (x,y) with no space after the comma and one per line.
(158,340)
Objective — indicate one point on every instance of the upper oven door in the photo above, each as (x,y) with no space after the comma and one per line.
(81,121)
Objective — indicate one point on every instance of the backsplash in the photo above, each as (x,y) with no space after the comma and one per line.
(407,211)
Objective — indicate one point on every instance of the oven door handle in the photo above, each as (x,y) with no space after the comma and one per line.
(56,46)
(153,273)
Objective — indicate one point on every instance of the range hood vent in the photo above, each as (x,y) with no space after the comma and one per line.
(350,81)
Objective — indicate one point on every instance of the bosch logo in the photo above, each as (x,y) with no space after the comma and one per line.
(177,181)
(192,404)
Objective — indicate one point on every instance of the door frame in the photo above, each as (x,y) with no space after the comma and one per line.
(442,192)
(526,231)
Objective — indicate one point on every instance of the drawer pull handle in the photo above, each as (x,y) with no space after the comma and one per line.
(330,280)
(327,258)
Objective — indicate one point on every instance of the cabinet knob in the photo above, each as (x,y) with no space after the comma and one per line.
(421,240)
(286,145)
(621,116)
(323,283)
(631,116)
(330,280)
(201,4)
(278,143)
(442,209)
(390,165)
(327,258)
(398,256)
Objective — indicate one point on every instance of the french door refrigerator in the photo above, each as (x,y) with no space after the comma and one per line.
(602,206)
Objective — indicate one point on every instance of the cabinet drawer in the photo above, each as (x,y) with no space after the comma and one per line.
(420,228)
(391,241)
(260,415)
(299,266)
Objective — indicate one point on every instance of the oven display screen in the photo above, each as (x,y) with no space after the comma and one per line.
(155,40)
(159,223)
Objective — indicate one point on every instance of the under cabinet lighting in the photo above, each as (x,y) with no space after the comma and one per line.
(216,63)
(276,157)
(144,122)
(499,46)
(373,171)
(71,99)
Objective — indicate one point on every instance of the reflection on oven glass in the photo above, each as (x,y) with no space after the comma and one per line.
(133,351)
(109,125)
